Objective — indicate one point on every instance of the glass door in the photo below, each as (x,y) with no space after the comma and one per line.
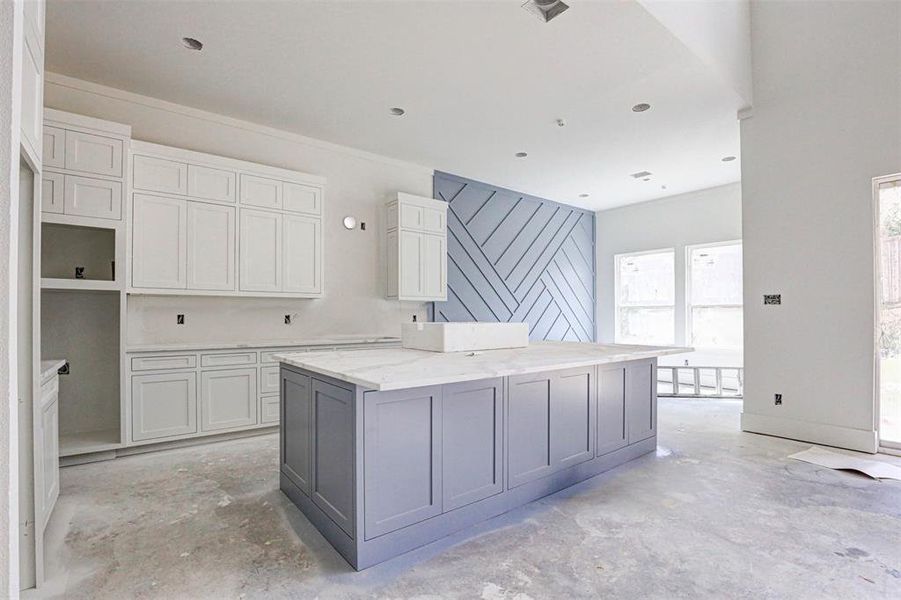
(888,314)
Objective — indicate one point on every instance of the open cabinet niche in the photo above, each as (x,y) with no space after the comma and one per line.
(75,252)
(84,327)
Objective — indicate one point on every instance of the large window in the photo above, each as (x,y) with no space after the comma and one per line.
(888,195)
(713,289)
(645,297)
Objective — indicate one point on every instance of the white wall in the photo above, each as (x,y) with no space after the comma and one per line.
(826,119)
(358,183)
(704,216)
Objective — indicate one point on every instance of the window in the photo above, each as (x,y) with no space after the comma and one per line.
(713,287)
(888,196)
(645,297)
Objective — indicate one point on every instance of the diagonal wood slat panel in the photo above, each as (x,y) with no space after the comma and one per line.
(514,257)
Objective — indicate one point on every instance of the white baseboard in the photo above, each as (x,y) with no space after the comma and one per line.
(828,435)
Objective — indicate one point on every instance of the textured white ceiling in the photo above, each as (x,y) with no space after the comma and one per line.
(480,81)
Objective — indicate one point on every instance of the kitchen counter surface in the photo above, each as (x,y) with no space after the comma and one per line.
(331,341)
(385,369)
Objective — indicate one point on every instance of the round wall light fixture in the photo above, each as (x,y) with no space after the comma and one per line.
(350,222)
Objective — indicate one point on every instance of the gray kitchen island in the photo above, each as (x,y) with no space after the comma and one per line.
(387,450)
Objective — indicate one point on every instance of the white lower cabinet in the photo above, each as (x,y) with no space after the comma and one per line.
(46,443)
(228,399)
(163,405)
(269,409)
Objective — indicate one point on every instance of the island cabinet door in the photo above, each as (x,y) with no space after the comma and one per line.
(572,416)
(641,401)
(528,429)
(332,485)
(402,450)
(471,441)
(296,431)
(612,433)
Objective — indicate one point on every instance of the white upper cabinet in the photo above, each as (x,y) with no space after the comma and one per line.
(250,230)
(54,147)
(211,184)
(261,251)
(95,154)
(211,246)
(160,239)
(90,197)
(417,248)
(52,192)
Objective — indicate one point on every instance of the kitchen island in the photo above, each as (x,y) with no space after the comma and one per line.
(386,450)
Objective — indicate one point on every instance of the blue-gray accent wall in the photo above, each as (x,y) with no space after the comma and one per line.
(515,257)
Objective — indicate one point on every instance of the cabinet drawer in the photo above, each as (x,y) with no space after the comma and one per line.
(52,192)
(93,154)
(159,363)
(262,192)
(268,357)
(160,175)
(54,147)
(269,380)
(88,197)
(211,184)
(222,360)
(301,198)
(269,409)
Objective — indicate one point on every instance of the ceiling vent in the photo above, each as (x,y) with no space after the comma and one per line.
(641,174)
(545,9)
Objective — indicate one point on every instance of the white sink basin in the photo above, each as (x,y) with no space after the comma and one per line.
(464,337)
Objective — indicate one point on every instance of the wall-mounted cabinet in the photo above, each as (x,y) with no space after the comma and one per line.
(210,225)
(417,248)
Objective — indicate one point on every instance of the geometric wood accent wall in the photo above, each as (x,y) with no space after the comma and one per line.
(513,257)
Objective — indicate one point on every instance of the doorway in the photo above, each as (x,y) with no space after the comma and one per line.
(887,198)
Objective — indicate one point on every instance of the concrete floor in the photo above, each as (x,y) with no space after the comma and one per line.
(716,513)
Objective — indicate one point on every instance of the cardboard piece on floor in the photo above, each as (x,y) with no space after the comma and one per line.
(845,462)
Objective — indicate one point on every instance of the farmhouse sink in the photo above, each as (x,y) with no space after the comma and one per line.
(464,337)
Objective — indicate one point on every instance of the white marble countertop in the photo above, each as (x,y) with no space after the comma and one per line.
(50,367)
(399,368)
(330,341)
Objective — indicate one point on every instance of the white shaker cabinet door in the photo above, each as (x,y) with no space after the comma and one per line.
(434,266)
(163,405)
(260,251)
(90,197)
(228,399)
(159,238)
(93,154)
(52,192)
(411,258)
(302,254)
(211,246)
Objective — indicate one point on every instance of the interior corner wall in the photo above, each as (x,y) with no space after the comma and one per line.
(358,184)
(700,217)
(826,120)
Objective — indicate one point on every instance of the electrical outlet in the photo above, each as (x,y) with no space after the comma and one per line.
(362,225)
(287,319)
(79,272)
(772,299)
(179,319)
(777,399)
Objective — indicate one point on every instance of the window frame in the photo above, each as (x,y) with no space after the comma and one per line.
(618,306)
(689,331)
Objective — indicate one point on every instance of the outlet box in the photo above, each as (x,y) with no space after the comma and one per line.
(777,399)
(772,299)
(287,319)
(179,319)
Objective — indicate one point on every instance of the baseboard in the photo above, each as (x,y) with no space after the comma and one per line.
(861,440)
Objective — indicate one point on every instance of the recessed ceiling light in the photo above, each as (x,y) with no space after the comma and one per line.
(641,107)
(545,9)
(646,179)
(641,174)
(397,111)
(521,154)
(583,195)
(728,158)
(192,44)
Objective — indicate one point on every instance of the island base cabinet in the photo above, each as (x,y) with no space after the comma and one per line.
(612,434)
(332,483)
(641,401)
(403,458)
(295,453)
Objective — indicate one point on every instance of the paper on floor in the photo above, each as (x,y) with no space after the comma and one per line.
(834,460)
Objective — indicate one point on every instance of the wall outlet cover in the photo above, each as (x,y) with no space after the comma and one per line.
(770,299)
(287,319)
(179,319)
(777,399)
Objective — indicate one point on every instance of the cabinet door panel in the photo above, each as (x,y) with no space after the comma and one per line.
(611,410)
(87,197)
(52,192)
(296,429)
(332,486)
(211,184)
(302,261)
(32,93)
(93,154)
(260,191)
(411,258)
(269,377)
(47,443)
(434,267)
(529,429)
(402,477)
(261,251)
(572,417)
(54,147)
(302,198)
(159,175)
(269,409)
(159,242)
(228,399)
(211,246)
(163,405)
(472,441)
(641,402)
(433,219)
(411,216)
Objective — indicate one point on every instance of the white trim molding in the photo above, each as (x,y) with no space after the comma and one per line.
(862,440)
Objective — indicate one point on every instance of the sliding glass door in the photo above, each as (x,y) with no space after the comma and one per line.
(888,260)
